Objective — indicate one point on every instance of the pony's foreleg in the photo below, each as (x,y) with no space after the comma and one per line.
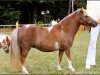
(69,60)
(60,59)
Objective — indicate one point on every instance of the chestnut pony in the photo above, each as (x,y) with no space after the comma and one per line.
(4,42)
(47,39)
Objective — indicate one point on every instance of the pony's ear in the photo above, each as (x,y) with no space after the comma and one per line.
(7,38)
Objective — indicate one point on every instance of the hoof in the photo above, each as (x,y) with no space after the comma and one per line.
(25,72)
(59,68)
(87,66)
(72,69)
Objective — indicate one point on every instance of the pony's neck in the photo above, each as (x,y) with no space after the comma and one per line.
(71,23)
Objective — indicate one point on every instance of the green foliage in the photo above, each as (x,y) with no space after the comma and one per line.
(40,24)
(80,3)
(8,15)
(30,10)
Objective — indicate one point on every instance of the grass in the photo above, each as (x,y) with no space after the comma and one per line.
(39,62)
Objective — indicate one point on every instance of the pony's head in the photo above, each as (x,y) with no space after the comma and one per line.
(5,44)
(85,19)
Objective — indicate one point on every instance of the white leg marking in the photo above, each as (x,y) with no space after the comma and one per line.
(58,67)
(24,70)
(70,66)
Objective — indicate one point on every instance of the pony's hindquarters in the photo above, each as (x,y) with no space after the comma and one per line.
(15,52)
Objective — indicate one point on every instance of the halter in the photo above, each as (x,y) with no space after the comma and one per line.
(82,18)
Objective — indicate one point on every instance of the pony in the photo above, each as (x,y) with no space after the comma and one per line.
(47,39)
(4,42)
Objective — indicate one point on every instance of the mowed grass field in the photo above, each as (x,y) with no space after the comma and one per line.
(39,62)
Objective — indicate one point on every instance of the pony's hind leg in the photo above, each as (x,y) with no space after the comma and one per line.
(67,51)
(23,57)
(60,59)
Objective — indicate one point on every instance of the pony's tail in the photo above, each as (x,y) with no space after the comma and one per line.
(15,61)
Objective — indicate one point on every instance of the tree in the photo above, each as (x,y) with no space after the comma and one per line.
(29,11)
(80,3)
(7,14)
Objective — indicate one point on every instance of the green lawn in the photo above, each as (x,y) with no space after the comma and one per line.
(45,63)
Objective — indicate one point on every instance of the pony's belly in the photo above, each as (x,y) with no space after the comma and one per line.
(46,48)
(47,45)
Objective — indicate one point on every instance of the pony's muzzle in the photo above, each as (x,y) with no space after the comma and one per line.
(7,51)
(94,23)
